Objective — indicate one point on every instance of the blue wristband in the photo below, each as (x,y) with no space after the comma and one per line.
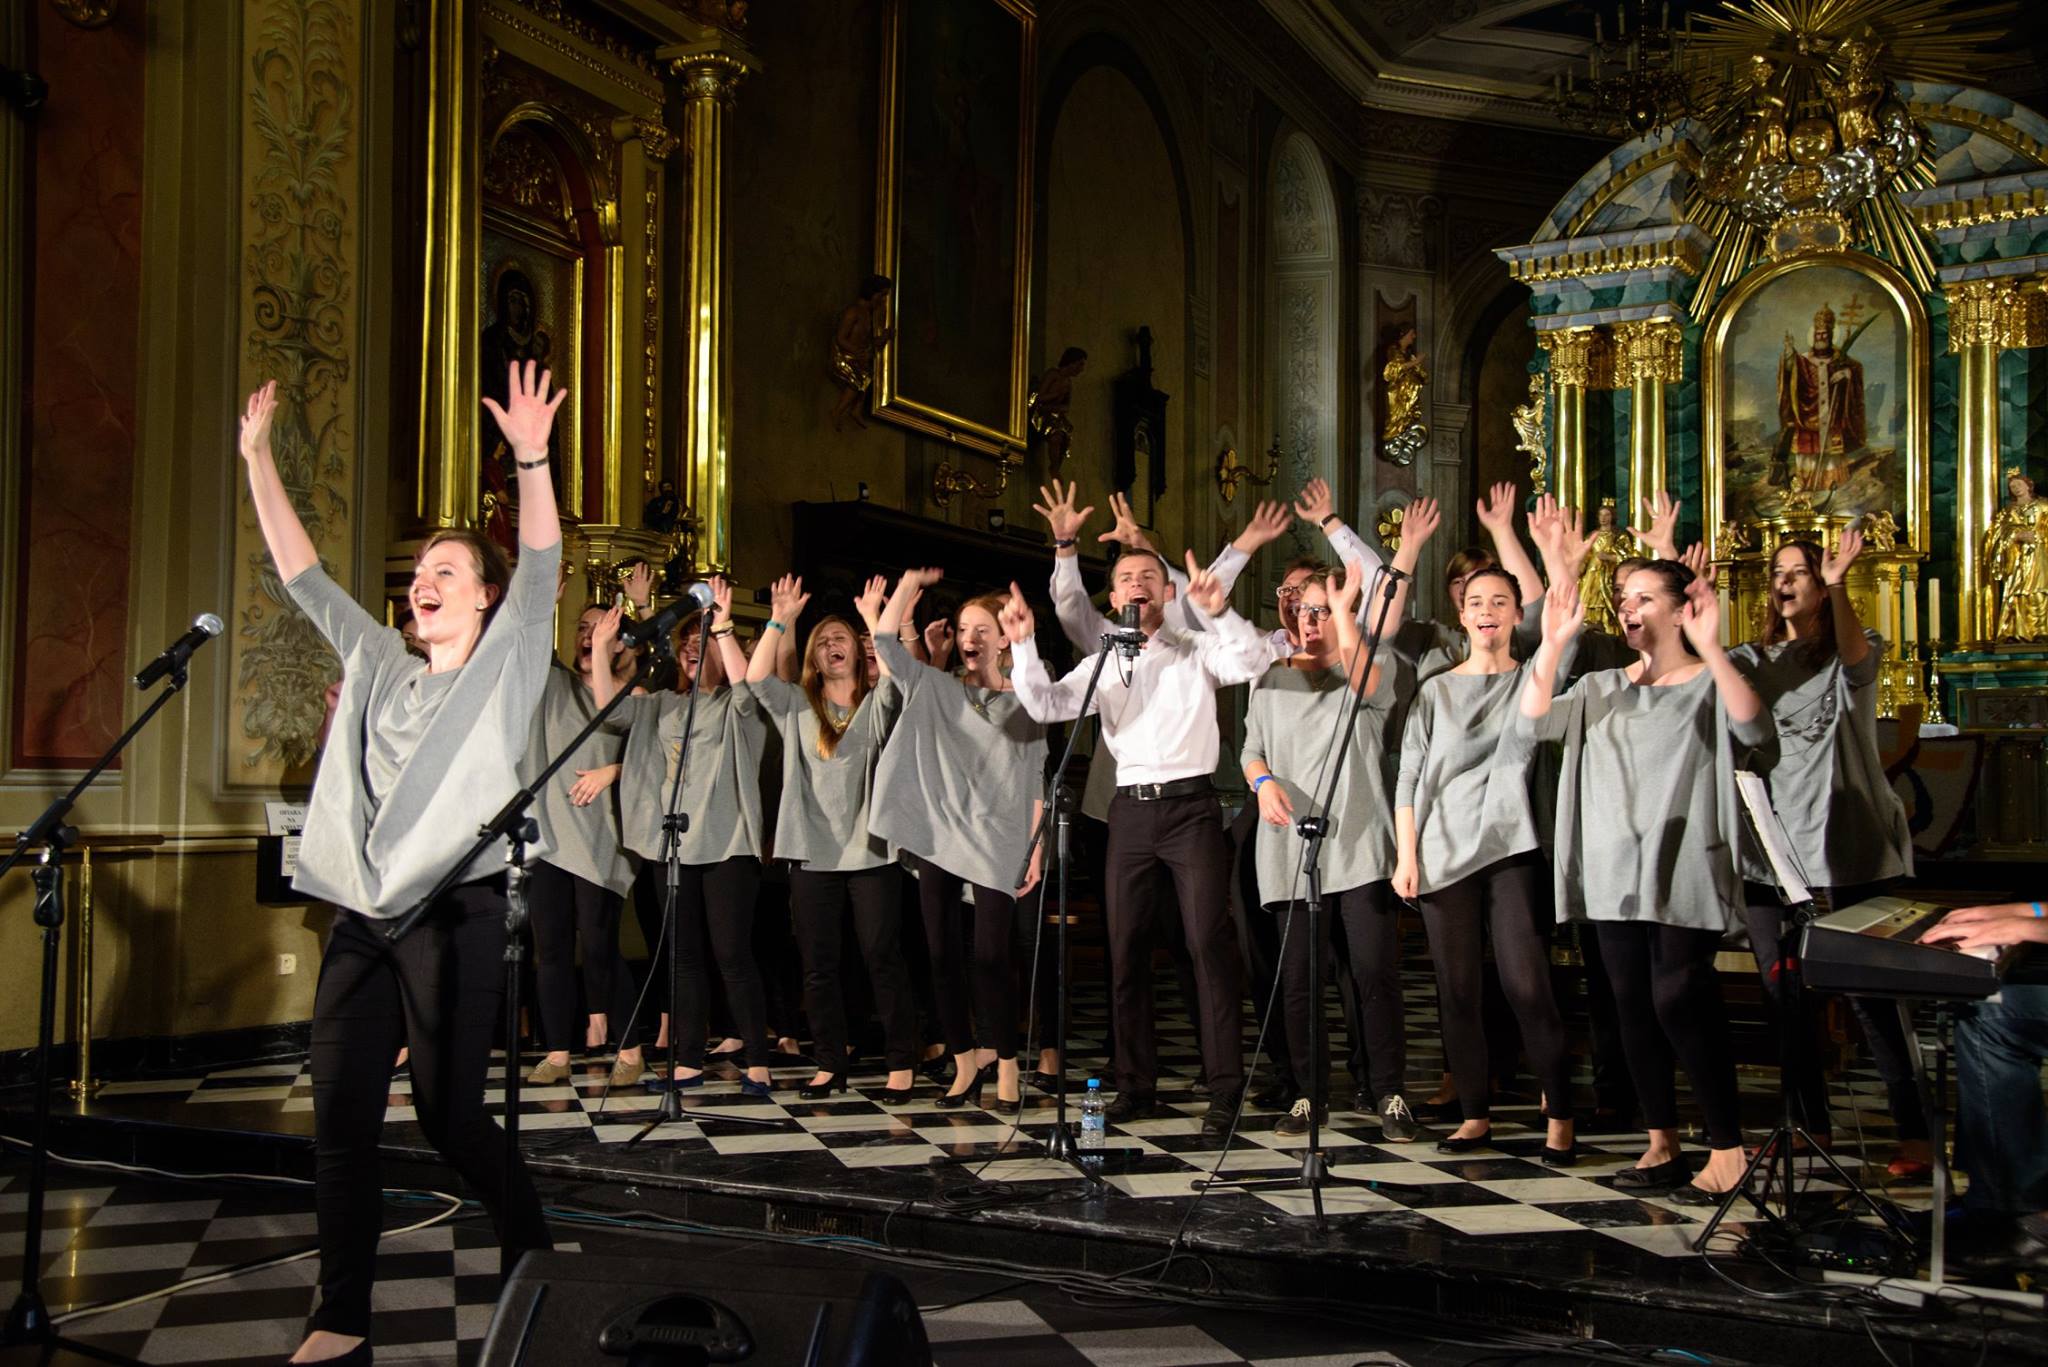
(1268,778)
(778,626)
(2038,912)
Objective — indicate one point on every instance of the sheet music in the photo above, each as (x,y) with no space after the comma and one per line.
(1770,834)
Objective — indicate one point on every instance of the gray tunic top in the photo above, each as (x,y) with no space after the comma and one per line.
(581,840)
(1466,770)
(1828,786)
(722,788)
(1289,728)
(959,775)
(1647,813)
(380,834)
(822,823)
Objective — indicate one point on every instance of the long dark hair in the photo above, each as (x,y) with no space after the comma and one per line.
(1776,628)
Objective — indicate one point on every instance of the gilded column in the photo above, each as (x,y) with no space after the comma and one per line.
(1648,355)
(448,484)
(709,74)
(1578,358)
(1973,319)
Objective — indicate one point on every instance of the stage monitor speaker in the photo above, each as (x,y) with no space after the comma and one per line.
(588,1310)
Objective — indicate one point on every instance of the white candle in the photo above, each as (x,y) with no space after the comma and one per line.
(1934,610)
(1884,613)
(1727,615)
(1912,615)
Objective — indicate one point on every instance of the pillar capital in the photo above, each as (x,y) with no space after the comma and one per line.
(1650,349)
(1580,357)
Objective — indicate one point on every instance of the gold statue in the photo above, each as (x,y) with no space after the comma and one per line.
(1812,142)
(1880,530)
(1528,420)
(863,330)
(1855,97)
(1770,108)
(2013,560)
(1047,407)
(1403,375)
(1609,545)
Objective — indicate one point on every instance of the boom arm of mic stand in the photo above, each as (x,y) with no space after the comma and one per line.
(1059,771)
(515,807)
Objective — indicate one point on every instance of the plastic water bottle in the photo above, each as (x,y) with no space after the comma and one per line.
(1092,1131)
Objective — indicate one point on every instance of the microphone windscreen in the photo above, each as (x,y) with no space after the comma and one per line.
(699,593)
(209,624)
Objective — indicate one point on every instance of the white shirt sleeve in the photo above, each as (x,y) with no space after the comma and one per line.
(1078,618)
(1348,546)
(1231,649)
(1227,566)
(1044,699)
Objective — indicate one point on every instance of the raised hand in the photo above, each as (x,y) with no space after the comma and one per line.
(590,782)
(1694,558)
(1563,614)
(938,642)
(1574,542)
(787,600)
(1315,501)
(1835,567)
(604,634)
(1016,618)
(528,417)
(1125,530)
(1204,589)
(1700,617)
(920,579)
(1268,521)
(1497,510)
(1275,808)
(1662,536)
(1418,524)
(721,599)
(1345,585)
(638,583)
(1058,510)
(868,602)
(256,420)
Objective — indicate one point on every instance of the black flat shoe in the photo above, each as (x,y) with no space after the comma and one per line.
(894,1096)
(358,1356)
(1657,1177)
(1453,1144)
(1561,1158)
(819,1091)
(953,1101)
(1687,1194)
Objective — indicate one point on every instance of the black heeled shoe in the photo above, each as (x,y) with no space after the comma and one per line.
(896,1096)
(820,1091)
(1453,1144)
(358,1356)
(1561,1158)
(953,1101)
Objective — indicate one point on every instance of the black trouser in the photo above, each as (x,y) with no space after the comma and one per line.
(715,919)
(818,905)
(1501,900)
(566,909)
(1669,1001)
(1613,1089)
(1365,922)
(441,990)
(1183,835)
(970,946)
(1763,916)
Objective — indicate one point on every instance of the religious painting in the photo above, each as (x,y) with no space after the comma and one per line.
(1816,398)
(532,297)
(953,219)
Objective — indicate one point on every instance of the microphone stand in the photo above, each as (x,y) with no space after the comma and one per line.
(1057,815)
(1315,1171)
(28,1319)
(674,822)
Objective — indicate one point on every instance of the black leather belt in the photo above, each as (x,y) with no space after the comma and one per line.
(1157,792)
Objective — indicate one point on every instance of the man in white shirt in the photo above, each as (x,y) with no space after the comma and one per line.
(1159,721)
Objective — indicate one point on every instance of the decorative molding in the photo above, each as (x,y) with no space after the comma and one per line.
(1683,247)
(86,13)
(2002,199)
(709,75)
(2005,313)
(1653,349)
(1300,227)
(300,320)
(1399,229)
(549,24)
(513,90)
(521,172)
(1230,108)
(1581,358)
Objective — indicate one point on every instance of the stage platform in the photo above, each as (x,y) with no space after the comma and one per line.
(1490,1239)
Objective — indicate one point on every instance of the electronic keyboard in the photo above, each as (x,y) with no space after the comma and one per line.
(1873,949)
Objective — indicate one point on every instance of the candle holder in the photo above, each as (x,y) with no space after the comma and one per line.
(1935,716)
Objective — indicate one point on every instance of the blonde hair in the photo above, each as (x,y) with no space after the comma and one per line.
(814,685)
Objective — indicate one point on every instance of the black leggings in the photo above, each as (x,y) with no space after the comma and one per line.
(715,908)
(1763,917)
(565,909)
(1669,1001)
(440,990)
(970,946)
(818,904)
(1366,922)
(1501,899)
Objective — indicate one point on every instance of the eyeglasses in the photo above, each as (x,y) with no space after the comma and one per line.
(1288,591)
(1317,614)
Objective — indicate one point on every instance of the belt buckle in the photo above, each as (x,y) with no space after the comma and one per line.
(1150,792)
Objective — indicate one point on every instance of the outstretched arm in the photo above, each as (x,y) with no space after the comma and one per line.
(786,600)
(724,637)
(1497,515)
(1563,615)
(1347,589)
(291,550)
(1850,642)
(1078,618)
(527,420)
(1317,505)
(1700,620)
(1418,525)
(1042,698)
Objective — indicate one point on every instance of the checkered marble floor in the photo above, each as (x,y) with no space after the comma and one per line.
(112,1237)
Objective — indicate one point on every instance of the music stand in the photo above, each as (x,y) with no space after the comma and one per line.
(1775,1155)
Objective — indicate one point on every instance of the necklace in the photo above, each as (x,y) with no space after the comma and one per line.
(836,716)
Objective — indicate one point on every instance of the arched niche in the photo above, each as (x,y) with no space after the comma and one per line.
(1303,259)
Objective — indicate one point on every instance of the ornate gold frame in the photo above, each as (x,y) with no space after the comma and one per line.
(889,402)
(1712,400)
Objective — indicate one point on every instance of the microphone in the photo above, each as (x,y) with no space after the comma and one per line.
(1127,639)
(696,598)
(205,627)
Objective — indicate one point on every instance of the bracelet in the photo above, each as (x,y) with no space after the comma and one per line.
(720,633)
(1262,778)
(530,464)
(777,625)
(2038,912)
(1327,519)
(1062,543)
